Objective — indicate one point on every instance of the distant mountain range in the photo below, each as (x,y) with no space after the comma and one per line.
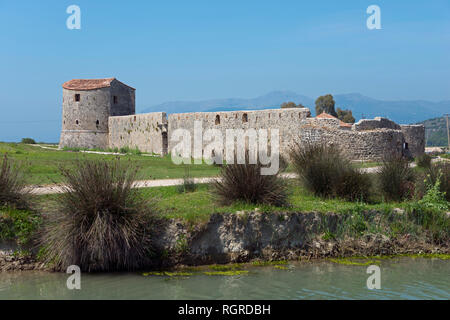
(401,111)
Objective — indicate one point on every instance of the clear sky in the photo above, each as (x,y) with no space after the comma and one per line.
(192,50)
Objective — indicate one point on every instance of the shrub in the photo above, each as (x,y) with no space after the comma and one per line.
(353,185)
(244,182)
(396,178)
(430,213)
(100,223)
(441,172)
(324,171)
(318,166)
(18,225)
(28,141)
(12,185)
(424,161)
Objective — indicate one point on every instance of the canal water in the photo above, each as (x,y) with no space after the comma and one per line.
(401,278)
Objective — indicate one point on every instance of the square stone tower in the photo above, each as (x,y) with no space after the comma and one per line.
(87,106)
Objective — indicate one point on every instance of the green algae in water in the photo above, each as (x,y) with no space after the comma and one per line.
(351,262)
(281,268)
(227,273)
(226,267)
(269,263)
(168,274)
(366,261)
(441,256)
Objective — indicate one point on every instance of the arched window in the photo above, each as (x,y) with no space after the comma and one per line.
(244,118)
(76,121)
(97,122)
(217,119)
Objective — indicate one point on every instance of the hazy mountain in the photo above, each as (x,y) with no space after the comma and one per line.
(362,106)
(436,132)
(271,100)
(400,111)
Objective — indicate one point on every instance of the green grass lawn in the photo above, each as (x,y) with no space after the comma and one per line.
(42,165)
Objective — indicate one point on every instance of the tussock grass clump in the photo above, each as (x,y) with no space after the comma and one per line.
(326,172)
(396,178)
(12,185)
(353,185)
(424,161)
(100,223)
(244,182)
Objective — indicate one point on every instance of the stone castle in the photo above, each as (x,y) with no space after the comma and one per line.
(100,113)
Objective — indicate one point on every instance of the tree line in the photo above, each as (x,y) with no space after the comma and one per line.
(325,104)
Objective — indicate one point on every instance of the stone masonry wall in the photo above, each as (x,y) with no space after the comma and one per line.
(415,138)
(295,125)
(125,104)
(145,131)
(85,122)
(365,145)
(377,123)
(288,121)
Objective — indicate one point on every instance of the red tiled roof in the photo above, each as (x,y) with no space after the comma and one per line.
(87,84)
(325,115)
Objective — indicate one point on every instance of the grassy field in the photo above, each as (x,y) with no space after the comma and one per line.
(42,165)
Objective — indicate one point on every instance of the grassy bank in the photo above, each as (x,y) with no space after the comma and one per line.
(197,206)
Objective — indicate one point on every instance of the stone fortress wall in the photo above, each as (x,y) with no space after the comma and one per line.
(148,132)
(365,140)
(288,121)
(100,113)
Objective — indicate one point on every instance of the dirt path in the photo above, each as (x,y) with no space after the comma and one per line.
(54,189)
(57,188)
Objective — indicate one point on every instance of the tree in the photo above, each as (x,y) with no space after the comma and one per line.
(291,104)
(345,115)
(325,104)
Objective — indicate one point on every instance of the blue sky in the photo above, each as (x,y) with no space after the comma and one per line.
(192,50)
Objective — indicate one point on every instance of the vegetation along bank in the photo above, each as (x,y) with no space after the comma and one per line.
(102,223)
